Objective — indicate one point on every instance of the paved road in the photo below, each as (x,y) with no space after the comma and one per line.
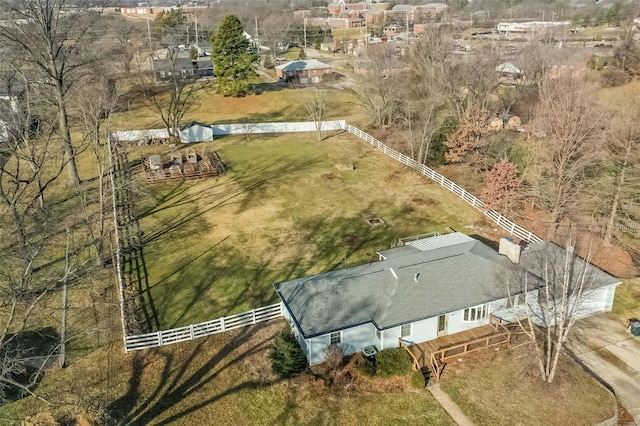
(604,345)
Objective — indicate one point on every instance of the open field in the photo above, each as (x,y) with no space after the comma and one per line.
(275,103)
(225,377)
(289,206)
(504,388)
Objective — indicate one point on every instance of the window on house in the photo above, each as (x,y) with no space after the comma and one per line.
(476,313)
(405,330)
(336,338)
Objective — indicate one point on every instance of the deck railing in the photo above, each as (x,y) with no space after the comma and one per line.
(405,344)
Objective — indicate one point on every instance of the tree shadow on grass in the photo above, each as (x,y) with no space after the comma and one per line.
(181,378)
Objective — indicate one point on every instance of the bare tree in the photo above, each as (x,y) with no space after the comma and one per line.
(273,32)
(555,284)
(173,98)
(459,83)
(420,123)
(378,87)
(50,37)
(622,144)
(315,102)
(29,238)
(567,129)
(92,112)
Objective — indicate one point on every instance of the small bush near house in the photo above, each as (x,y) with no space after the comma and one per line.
(287,358)
(365,367)
(393,362)
(333,356)
(417,379)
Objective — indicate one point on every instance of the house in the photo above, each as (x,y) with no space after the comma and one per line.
(537,29)
(304,72)
(508,71)
(164,69)
(427,288)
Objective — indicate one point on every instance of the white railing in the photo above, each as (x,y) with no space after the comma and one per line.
(503,222)
(194,331)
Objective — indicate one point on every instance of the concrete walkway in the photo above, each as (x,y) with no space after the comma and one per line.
(604,346)
(450,407)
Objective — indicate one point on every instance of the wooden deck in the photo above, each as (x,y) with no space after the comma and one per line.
(434,354)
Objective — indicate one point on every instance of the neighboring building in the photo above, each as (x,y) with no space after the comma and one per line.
(412,13)
(508,71)
(303,72)
(533,29)
(137,10)
(164,69)
(427,288)
(335,23)
(390,30)
(374,16)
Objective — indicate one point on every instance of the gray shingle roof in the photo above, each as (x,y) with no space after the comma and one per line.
(449,277)
(309,64)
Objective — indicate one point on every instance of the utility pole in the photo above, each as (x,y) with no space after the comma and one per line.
(197,41)
(257,40)
(304,26)
(150,48)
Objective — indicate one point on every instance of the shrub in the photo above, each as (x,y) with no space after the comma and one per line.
(614,78)
(393,362)
(287,357)
(417,379)
(333,356)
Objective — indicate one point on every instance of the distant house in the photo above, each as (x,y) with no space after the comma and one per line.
(430,287)
(508,71)
(164,69)
(304,72)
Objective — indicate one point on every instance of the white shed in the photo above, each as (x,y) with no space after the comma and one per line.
(196,132)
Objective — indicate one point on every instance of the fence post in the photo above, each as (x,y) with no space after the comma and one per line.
(253,315)
(159,337)
(191,333)
(222,323)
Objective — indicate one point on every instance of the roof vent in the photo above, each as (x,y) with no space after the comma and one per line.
(393,273)
(416,276)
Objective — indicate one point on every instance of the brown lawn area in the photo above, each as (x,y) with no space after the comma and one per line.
(504,388)
(222,380)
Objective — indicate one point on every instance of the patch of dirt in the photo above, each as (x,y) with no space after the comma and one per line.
(429,202)
(351,240)
(624,417)
(328,177)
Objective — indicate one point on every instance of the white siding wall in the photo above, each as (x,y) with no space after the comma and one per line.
(598,300)
(353,340)
(296,332)
(456,323)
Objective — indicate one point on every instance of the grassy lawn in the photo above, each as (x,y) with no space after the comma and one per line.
(626,303)
(288,207)
(224,377)
(504,388)
(275,103)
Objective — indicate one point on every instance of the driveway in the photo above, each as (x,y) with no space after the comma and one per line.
(604,345)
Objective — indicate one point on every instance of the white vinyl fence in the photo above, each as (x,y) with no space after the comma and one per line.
(503,222)
(194,331)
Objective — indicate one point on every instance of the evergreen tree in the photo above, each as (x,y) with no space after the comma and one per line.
(287,357)
(232,62)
